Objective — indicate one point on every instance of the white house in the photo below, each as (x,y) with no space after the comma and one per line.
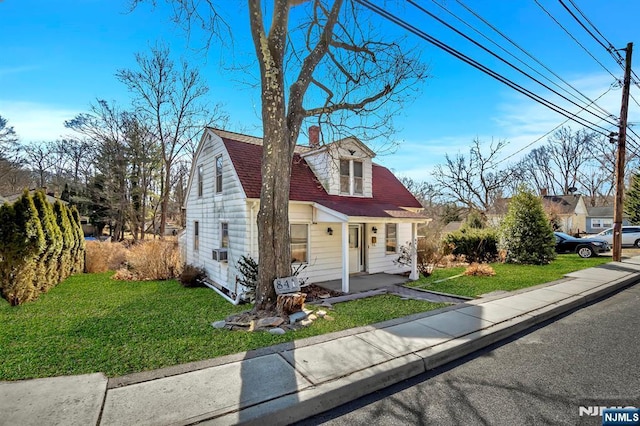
(347,214)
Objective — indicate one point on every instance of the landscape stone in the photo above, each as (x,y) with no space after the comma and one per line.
(306,322)
(324,295)
(321,313)
(219,324)
(329,318)
(269,322)
(297,316)
(312,317)
(307,311)
(326,304)
(277,330)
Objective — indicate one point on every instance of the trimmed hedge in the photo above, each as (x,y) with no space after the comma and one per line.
(40,247)
(476,245)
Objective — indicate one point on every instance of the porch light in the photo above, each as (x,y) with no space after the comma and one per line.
(329,231)
(374,230)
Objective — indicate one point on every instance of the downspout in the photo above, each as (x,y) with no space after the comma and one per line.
(235,301)
(252,223)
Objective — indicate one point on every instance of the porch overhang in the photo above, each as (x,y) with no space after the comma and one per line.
(323,213)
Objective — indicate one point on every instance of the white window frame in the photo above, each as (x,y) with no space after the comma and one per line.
(352,177)
(200,181)
(601,223)
(307,242)
(224,225)
(387,239)
(196,235)
(219,166)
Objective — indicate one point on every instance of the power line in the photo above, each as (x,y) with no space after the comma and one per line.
(607,48)
(422,9)
(387,15)
(506,37)
(610,48)
(590,23)
(575,39)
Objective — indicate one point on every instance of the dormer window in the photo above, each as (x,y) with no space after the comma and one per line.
(351,177)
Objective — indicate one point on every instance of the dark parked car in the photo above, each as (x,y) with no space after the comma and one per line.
(585,247)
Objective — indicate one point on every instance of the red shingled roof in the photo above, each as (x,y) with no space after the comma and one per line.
(389,195)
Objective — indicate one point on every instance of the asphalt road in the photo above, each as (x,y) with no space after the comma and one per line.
(587,357)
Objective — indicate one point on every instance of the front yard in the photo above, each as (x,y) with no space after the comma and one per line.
(508,277)
(91,323)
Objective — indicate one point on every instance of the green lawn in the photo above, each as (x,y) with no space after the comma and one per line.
(91,323)
(508,277)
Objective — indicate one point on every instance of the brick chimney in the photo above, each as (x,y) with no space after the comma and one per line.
(314,136)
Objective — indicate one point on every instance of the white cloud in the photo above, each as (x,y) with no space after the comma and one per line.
(523,121)
(37,121)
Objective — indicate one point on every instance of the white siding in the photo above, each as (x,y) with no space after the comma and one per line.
(325,258)
(211,210)
(379,260)
(325,164)
(325,254)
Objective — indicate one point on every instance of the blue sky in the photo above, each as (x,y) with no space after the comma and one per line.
(58,57)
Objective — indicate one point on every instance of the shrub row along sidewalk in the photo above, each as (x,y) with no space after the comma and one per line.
(42,244)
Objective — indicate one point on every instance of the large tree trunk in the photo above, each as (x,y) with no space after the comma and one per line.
(273,217)
(277,153)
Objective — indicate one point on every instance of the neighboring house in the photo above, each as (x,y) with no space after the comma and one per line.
(601,218)
(452,227)
(570,211)
(50,198)
(347,215)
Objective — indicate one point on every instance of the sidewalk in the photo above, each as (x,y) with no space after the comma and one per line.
(289,382)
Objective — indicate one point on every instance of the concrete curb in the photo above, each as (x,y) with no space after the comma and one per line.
(326,396)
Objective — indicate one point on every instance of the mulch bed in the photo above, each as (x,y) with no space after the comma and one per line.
(315,292)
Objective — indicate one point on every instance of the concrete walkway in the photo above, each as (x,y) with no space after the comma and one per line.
(286,383)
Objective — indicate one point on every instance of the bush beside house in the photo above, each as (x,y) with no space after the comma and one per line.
(41,247)
(474,244)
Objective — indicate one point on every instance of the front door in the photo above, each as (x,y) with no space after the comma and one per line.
(355,248)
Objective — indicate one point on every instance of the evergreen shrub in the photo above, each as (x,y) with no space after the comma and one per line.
(476,245)
(526,233)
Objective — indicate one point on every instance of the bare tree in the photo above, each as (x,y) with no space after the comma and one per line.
(12,176)
(475,181)
(40,158)
(568,152)
(105,125)
(331,67)
(8,139)
(597,178)
(536,170)
(170,100)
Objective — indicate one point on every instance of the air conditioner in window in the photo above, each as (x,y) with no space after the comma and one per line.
(220,254)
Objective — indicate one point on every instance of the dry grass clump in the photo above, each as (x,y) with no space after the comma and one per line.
(152,260)
(480,270)
(104,256)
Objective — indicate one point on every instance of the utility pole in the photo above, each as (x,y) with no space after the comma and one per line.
(622,152)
